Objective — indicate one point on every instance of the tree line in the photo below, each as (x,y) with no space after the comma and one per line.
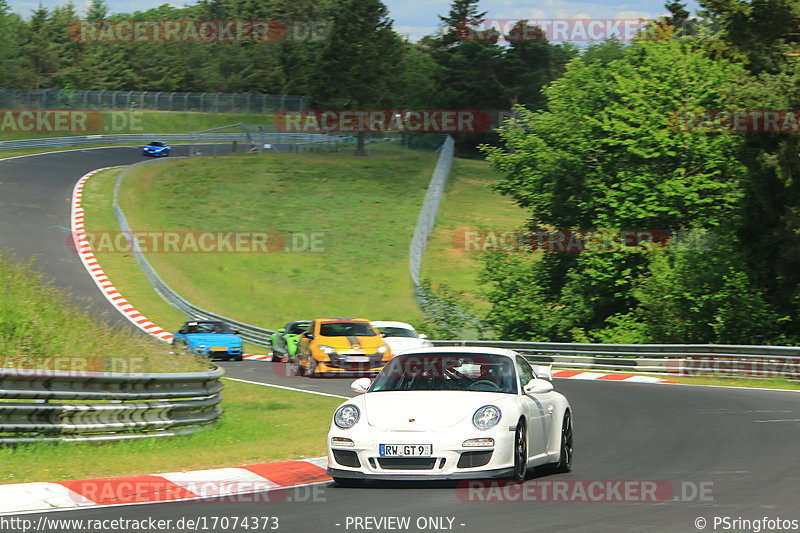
(361,63)
(612,151)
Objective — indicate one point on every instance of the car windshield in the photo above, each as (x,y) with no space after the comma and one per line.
(156,143)
(346,329)
(452,371)
(207,327)
(398,332)
(297,328)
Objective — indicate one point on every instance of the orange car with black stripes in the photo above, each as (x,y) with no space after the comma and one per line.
(340,346)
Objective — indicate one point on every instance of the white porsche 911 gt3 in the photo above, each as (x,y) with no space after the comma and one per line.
(451,413)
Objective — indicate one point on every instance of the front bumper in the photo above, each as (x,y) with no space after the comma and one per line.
(229,353)
(481,474)
(342,367)
(450,459)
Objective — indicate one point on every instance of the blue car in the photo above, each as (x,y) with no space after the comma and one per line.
(156,149)
(209,337)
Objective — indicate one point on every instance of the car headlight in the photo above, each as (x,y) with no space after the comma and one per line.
(327,350)
(486,417)
(382,349)
(346,416)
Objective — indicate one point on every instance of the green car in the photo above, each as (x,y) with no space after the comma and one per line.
(284,340)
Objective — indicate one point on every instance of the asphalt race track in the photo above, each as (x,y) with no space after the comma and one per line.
(721,452)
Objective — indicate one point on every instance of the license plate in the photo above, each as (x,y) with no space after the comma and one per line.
(357,359)
(406,450)
(219,349)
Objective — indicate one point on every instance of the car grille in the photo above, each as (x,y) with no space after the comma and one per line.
(346,458)
(338,362)
(473,459)
(407,463)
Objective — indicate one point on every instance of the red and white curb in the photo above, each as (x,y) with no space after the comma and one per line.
(170,487)
(579,374)
(84,249)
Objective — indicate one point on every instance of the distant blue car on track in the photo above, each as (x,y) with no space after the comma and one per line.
(156,149)
(209,337)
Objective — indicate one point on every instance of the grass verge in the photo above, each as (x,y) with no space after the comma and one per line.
(260,424)
(39,325)
(468,204)
(362,210)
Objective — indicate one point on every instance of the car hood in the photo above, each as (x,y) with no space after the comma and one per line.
(402,344)
(429,410)
(214,339)
(369,344)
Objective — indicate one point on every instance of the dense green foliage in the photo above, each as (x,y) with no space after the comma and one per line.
(353,60)
(607,155)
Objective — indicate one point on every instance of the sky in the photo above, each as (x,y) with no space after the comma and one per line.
(416,18)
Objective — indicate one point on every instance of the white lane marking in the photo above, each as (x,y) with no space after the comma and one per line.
(288,388)
(780,420)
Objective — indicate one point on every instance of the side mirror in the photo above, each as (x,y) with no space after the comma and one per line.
(538,386)
(360,385)
(308,335)
(423,336)
(281,330)
(383,334)
(182,332)
(236,332)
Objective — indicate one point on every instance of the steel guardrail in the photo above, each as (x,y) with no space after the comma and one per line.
(250,333)
(185,138)
(677,359)
(51,405)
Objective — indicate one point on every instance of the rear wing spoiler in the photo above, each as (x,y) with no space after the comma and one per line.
(544,371)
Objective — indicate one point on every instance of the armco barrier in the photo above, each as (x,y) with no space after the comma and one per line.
(142,138)
(105,406)
(677,359)
(250,333)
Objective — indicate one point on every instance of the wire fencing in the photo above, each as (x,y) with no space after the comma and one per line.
(151,100)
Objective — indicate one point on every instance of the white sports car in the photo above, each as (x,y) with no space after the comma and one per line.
(401,337)
(451,413)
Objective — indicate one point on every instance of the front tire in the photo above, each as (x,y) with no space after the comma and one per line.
(520,452)
(312,368)
(297,368)
(564,463)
